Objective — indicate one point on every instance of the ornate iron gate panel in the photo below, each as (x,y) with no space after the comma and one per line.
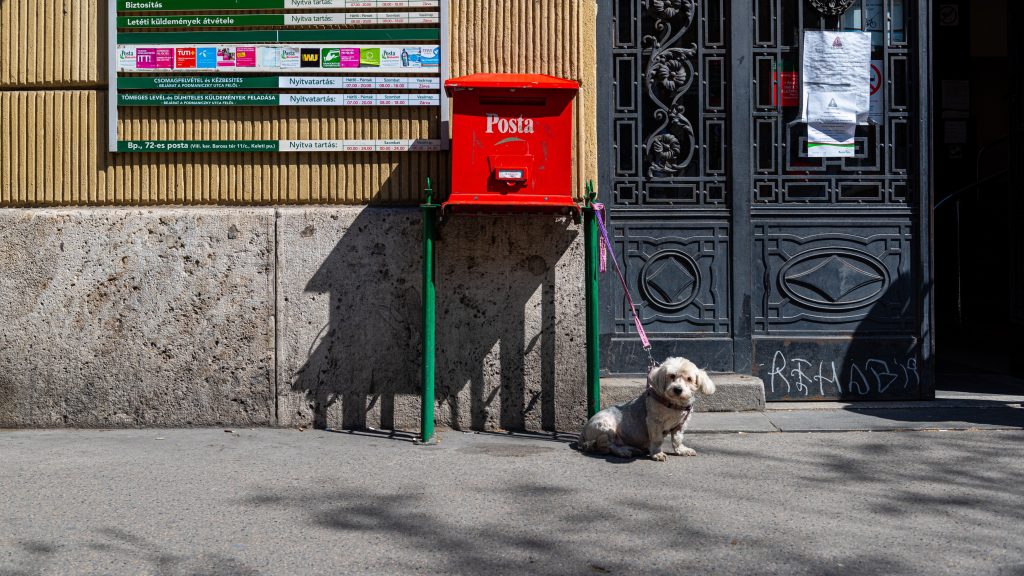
(747,254)
(836,308)
(669,128)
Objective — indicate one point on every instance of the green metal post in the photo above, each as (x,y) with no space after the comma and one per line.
(429,316)
(591,240)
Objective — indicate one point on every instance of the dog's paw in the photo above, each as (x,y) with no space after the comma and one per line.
(684,451)
(659,457)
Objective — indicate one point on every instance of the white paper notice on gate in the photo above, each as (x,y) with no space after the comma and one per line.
(831,140)
(831,108)
(837,63)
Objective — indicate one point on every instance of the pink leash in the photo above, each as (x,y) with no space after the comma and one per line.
(600,212)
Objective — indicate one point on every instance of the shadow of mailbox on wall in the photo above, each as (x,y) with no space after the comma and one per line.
(509,331)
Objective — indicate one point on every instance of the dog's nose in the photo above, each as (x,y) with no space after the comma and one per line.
(677,390)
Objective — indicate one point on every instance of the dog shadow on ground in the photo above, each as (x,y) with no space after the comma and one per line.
(611,458)
(498,363)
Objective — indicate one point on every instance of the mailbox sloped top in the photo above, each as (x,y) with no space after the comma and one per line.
(510,82)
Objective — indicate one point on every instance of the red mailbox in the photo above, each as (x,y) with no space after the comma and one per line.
(511,142)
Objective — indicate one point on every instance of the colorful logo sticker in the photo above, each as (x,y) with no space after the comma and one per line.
(310,58)
(126,59)
(350,57)
(391,58)
(289,57)
(206,57)
(145,58)
(369,57)
(330,58)
(245,57)
(430,57)
(225,57)
(267,57)
(184,58)
(165,58)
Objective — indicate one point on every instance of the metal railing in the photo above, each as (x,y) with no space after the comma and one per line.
(957,197)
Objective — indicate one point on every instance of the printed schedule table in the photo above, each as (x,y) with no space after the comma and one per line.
(309,53)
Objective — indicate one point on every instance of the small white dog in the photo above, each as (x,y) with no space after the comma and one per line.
(641,425)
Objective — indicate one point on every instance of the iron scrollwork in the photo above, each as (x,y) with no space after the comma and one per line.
(671,146)
(832,7)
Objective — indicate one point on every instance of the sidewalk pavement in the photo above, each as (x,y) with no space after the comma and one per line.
(280,502)
(949,411)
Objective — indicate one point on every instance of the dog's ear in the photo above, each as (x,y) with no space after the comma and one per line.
(656,377)
(705,383)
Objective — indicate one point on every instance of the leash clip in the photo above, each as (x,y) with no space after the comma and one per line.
(651,362)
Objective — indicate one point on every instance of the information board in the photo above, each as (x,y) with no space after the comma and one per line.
(320,53)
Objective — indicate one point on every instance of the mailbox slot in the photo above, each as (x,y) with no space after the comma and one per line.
(512,170)
(492,101)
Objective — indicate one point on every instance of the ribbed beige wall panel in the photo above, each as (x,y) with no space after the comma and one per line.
(53,153)
(53,116)
(52,43)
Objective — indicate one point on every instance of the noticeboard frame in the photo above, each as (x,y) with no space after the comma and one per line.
(115,145)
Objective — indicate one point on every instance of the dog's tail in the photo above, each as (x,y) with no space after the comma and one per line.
(584,444)
(602,444)
(592,442)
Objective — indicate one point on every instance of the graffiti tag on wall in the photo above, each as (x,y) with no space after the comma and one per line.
(870,376)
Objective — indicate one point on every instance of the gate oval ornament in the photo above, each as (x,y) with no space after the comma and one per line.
(832,7)
(834,280)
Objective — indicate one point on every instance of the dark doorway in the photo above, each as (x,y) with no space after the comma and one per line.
(979,221)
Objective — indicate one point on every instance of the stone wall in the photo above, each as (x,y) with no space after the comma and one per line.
(290,317)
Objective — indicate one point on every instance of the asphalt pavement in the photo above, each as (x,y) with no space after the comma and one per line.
(263,501)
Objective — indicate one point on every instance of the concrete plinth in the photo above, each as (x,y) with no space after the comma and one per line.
(290,317)
(733,393)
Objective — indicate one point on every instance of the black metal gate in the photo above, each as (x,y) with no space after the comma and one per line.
(746,254)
